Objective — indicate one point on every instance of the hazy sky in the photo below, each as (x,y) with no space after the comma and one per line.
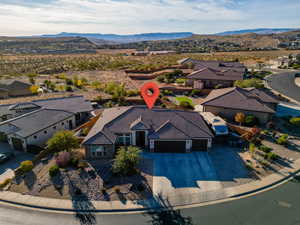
(29,17)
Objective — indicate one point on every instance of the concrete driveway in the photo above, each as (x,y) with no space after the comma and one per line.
(6,168)
(204,171)
(194,170)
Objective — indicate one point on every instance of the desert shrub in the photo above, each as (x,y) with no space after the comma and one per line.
(69,82)
(180,81)
(5,182)
(218,86)
(53,170)
(265,149)
(295,121)
(282,140)
(85,131)
(271,156)
(251,120)
(163,105)
(82,164)
(132,93)
(160,78)
(252,148)
(63,141)
(126,160)
(69,88)
(26,166)
(186,105)
(63,159)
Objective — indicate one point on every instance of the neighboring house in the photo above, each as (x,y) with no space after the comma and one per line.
(156,130)
(33,123)
(209,74)
(228,102)
(15,88)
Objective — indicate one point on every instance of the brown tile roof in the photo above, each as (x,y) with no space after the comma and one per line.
(239,98)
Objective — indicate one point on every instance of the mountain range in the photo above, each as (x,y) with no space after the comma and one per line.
(124,38)
(257,31)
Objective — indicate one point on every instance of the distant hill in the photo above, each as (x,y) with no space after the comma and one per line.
(219,43)
(124,38)
(38,45)
(257,31)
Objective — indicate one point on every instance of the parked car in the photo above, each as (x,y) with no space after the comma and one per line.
(6,156)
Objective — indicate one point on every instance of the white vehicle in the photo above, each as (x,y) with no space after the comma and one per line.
(217,124)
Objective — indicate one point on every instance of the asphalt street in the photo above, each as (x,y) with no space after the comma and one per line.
(285,84)
(276,207)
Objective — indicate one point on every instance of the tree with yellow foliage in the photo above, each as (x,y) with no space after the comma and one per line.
(240,118)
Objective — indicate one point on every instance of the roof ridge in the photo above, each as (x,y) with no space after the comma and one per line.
(221,95)
(169,122)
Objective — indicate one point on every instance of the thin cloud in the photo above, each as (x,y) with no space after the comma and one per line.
(137,16)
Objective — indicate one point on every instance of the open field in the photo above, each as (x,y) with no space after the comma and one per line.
(16,65)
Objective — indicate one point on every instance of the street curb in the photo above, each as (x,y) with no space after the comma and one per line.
(277,92)
(138,210)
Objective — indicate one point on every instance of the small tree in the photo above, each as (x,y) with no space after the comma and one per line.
(240,118)
(34,89)
(126,160)
(63,141)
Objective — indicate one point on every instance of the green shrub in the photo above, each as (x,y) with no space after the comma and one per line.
(252,148)
(254,82)
(186,105)
(295,121)
(195,92)
(69,88)
(74,162)
(54,170)
(265,149)
(180,81)
(251,121)
(282,140)
(160,78)
(26,166)
(271,156)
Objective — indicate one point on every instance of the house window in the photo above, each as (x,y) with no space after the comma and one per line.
(45,132)
(62,123)
(98,151)
(35,137)
(123,139)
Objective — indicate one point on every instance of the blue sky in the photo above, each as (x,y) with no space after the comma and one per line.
(32,17)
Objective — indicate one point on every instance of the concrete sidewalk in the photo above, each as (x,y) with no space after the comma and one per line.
(176,198)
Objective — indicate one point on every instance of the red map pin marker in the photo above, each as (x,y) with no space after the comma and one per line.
(150,93)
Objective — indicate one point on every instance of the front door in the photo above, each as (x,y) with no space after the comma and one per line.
(140,139)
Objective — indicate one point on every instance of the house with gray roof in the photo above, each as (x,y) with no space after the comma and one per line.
(14,88)
(209,74)
(227,102)
(157,130)
(33,123)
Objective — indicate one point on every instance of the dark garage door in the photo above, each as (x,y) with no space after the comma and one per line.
(170,146)
(199,145)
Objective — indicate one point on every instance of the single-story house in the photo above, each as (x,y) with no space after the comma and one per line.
(156,130)
(33,123)
(227,102)
(15,88)
(209,74)
(209,78)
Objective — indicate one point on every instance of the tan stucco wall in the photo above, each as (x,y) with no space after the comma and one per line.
(230,113)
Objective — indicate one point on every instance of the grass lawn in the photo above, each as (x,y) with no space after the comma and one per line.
(184,98)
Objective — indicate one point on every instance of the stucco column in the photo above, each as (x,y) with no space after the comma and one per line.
(188,145)
(133,138)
